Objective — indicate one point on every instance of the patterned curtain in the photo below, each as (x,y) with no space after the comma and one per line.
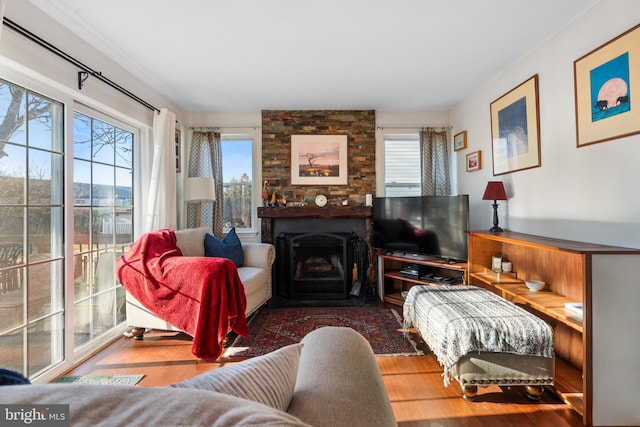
(205,159)
(434,151)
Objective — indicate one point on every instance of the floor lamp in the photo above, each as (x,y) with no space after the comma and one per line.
(199,189)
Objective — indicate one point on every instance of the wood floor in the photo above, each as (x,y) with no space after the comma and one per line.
(414,385)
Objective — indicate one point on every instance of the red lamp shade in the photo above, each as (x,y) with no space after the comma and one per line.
(494,191)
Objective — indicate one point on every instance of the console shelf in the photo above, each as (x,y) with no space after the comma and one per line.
(391,282)
(545,302)
(592,351)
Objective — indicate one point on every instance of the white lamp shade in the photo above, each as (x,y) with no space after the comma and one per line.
(199,189)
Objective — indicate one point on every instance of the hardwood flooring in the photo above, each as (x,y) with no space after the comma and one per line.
(414,385)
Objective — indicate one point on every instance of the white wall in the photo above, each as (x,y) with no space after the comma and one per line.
(588,193)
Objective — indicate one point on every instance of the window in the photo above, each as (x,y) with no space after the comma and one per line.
(103,223)
(31,230)
(402,175)
(237,166)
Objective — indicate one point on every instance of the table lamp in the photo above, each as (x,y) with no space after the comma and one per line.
(199,189)
(495,191)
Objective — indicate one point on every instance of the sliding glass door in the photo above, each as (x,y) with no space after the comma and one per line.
(31,230)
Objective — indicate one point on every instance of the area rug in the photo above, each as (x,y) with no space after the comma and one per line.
(101,379)
(273,328)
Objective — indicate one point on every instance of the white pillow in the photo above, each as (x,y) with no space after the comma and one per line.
(191,240)
(268,379)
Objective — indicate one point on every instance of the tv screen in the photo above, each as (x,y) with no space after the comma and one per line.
(422,227)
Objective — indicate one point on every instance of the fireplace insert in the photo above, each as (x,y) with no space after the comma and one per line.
(315,265)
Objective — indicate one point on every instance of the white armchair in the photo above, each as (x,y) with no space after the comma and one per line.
(255,275)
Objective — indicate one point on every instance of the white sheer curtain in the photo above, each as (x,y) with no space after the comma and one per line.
(161,199)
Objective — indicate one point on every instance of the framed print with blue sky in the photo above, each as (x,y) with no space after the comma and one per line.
(515,129)
(605,80)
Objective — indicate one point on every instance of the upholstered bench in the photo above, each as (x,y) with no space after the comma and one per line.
(482,339)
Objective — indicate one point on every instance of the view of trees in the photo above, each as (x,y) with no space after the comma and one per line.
(237,202)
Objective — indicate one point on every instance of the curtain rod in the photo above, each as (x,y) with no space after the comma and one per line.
(421,127)
(86,70)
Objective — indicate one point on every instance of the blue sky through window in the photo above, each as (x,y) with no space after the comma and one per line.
(236,158)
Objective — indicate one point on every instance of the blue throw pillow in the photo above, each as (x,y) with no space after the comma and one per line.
(11,377)
(230,247)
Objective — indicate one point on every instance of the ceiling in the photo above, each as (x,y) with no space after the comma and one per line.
(252,55)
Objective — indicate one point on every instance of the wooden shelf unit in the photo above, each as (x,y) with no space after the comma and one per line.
(600,277)
(389,275)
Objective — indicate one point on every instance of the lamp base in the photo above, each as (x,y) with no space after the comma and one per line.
(495,218)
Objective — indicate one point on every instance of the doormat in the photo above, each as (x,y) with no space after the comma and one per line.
(101,379)
(273,328)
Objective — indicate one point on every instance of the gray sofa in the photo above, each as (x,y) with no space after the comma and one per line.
(332,379)
(255,275)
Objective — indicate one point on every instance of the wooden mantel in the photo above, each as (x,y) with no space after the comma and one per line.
(268,214)
(316,212)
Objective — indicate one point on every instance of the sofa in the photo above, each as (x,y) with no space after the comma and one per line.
(331,379)
(255,275)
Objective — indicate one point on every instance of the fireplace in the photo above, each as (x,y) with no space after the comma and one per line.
(316,249)
(315,265)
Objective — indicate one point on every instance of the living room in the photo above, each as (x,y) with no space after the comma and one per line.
(581,192)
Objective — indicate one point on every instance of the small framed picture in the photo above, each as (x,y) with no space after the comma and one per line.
(460,140)
(474,161)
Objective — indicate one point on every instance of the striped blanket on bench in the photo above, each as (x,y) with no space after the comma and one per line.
(456,320)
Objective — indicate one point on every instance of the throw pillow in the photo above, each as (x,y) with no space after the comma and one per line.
(230,247)
(268,379)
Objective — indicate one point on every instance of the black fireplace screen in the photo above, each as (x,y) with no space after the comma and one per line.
(315,265)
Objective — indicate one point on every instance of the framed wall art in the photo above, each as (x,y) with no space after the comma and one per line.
(460,140)
(474,161)
(515,129)
(603,81)
(178,156)
(319,160)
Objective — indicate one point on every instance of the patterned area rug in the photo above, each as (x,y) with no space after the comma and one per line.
(101,379)
(273,328)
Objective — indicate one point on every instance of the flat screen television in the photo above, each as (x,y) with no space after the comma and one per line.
(422,227)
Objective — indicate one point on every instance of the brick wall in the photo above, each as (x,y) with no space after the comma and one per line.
(358,125)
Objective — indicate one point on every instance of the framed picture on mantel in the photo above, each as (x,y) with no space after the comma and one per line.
(319,160)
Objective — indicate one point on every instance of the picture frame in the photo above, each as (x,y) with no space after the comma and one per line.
(178,137)
(319,160)
(460,141)
(515,129)
(474,161)
(603,79)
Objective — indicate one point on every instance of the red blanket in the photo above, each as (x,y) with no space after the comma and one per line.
(202,296)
